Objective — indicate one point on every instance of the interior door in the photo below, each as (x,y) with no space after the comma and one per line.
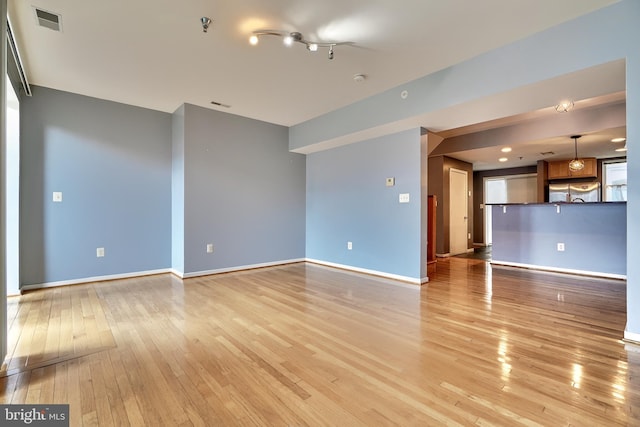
(458,211)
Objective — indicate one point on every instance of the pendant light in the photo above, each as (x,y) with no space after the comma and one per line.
(576,164)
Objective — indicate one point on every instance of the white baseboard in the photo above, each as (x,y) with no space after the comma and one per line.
(93,279)
(182,275)
(397,277)
(632,337)
(175,272)
(237,268)
(499,263)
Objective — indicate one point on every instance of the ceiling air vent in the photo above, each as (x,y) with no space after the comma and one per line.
(48,19)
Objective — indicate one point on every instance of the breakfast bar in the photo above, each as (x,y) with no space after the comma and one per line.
(579,238)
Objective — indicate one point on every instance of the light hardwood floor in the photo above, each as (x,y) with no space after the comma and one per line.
(307,345)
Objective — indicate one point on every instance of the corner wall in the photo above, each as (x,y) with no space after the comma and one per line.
(348,201)
(112,163)
(244,192)
(177,191)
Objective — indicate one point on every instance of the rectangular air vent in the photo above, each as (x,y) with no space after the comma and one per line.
(48,19)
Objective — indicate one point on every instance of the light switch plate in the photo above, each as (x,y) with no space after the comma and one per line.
(57,196)
(99,252)
(404,198)
(209,248)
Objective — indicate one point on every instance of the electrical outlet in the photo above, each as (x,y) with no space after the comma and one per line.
(560,247)
(209,248)
(391,182)
(349,245)
(99,252)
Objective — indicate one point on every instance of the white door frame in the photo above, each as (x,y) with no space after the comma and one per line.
(486,215)
(455,249)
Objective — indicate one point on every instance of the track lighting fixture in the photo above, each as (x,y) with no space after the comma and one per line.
(289,38)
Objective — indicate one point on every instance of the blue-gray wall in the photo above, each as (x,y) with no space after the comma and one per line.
(594,235)
(112,162)
(606,35)
(244,192)
(348,200)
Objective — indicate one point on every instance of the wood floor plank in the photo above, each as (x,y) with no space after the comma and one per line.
(304,344)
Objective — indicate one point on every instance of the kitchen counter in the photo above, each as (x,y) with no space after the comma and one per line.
(555,203)
(583,238)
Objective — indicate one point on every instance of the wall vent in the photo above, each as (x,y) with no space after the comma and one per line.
(48,20)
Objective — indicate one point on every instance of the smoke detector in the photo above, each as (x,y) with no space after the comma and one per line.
(359,78)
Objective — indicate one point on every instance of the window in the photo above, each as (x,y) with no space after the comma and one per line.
(615,180)
(511,189)
(507,189)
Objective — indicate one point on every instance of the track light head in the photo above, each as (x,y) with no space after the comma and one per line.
(331,52)
(205,21)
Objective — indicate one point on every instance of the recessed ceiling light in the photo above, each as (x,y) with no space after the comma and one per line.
(618,139)
(506,150)
(621,149)
(502,159)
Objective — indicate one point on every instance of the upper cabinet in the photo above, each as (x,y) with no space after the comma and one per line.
(560,169)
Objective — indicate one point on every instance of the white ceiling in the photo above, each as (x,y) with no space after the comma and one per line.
(545,134)
(154,54)
(527,153)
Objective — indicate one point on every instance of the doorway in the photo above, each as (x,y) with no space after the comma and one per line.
(458,211)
